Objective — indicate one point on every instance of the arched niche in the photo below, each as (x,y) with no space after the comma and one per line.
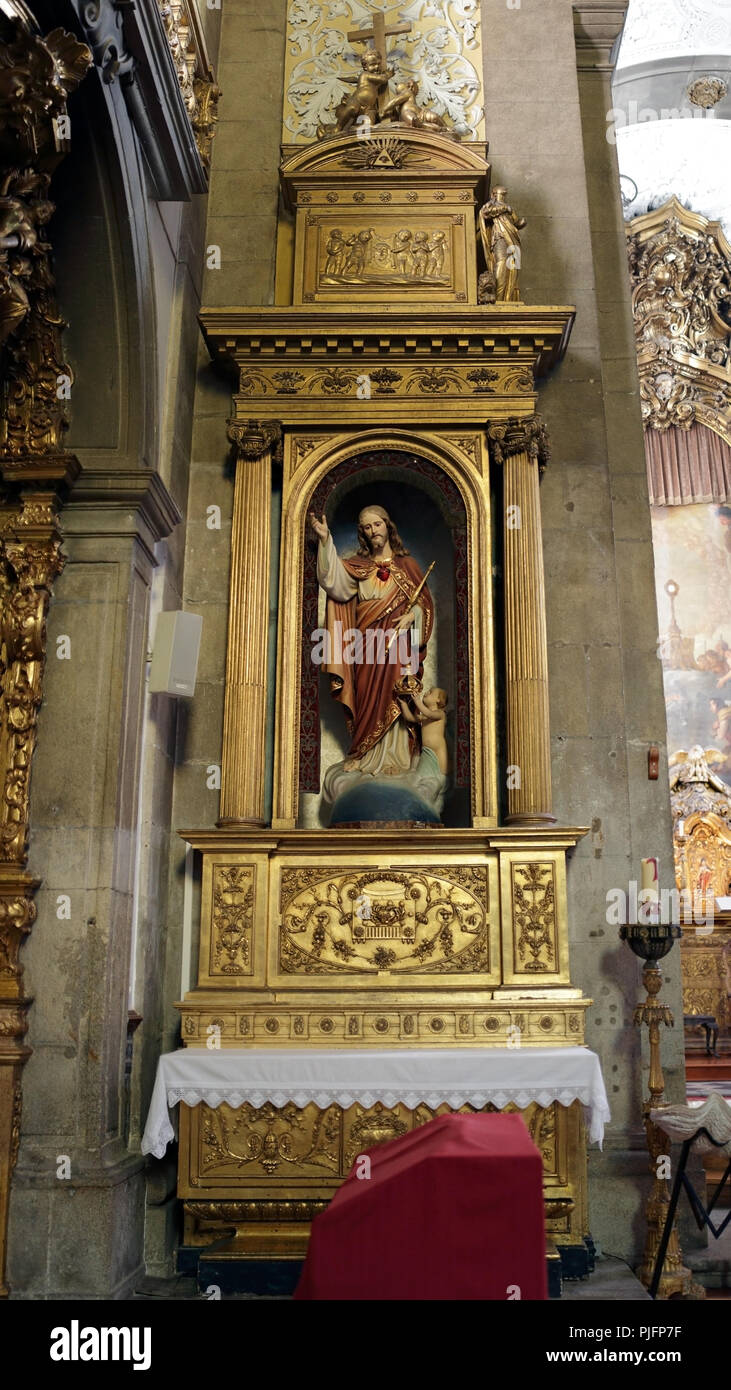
(104,277)
(448,489)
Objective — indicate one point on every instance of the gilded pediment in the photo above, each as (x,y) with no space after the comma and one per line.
(386,150)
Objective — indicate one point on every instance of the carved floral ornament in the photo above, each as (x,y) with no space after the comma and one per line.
(706,92)
(383,922)
(442,52)
(694,787)
(36,75)
(324,1141)
(195,74)
(253,438)
(521,437)
(680,267)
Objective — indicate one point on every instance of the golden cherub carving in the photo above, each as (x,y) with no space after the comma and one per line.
(409,113)
(364,101)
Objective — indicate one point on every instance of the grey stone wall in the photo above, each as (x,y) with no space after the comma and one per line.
(546,123)
(242,224)
(129,280)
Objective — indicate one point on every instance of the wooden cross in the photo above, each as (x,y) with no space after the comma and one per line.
(379,32)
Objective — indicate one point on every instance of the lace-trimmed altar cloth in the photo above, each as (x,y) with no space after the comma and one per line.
(681,1122)
(410,1077)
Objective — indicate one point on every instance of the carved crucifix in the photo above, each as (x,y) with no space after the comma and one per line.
(379,32)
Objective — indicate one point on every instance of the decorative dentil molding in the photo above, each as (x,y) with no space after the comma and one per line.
(443,53)
(680,267)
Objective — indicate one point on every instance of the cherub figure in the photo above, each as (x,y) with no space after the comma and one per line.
(335,252)
(430,713)
(437,252)
(404,108)
(357,247)
(368,88)
(420,254)
(402,250)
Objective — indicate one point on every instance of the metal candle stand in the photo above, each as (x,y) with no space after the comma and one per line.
(651,942)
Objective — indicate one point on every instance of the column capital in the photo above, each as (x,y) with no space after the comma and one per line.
(252,438)
(515,436)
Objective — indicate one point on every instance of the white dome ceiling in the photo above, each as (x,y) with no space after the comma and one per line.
(665,143)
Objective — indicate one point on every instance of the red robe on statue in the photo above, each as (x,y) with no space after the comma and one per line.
(365,689)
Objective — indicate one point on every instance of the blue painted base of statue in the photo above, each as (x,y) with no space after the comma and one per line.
(415,797)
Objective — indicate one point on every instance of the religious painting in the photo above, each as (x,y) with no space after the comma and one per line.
(693,579)
(384,667)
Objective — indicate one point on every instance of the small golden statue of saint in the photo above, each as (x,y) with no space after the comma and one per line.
(500,231)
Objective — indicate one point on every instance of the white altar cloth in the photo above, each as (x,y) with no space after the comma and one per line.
(410,1077)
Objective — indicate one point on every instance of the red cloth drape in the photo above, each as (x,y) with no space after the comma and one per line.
(365,690)
(685,466)
(452,1210)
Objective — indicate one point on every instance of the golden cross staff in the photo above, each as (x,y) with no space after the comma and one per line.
(414,597)
(379,32)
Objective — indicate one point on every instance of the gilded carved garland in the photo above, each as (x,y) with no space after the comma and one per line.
(384,922)
(195,75)
(680,266)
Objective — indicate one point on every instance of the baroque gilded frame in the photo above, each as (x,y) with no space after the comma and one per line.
(465,462)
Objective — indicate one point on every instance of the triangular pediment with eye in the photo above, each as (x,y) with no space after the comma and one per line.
(389,151)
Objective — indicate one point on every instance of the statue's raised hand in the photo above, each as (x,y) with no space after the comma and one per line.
(320,528)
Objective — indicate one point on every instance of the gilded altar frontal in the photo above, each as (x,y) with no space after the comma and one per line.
(334,682)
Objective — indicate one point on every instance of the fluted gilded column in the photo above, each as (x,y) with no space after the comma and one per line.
(243,762)
(521,447)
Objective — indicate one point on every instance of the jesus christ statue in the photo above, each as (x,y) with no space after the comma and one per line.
(373,592)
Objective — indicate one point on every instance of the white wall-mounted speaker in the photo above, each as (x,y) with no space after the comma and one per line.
(175,654)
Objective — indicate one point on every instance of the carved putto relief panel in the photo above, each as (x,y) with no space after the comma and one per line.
(366,255)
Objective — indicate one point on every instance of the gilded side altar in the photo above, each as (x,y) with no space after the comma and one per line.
(383,370)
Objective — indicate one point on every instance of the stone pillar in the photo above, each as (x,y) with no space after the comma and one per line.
(521,447)
(36,473)
(243,759)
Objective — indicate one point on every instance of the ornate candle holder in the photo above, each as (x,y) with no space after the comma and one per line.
(652,941)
